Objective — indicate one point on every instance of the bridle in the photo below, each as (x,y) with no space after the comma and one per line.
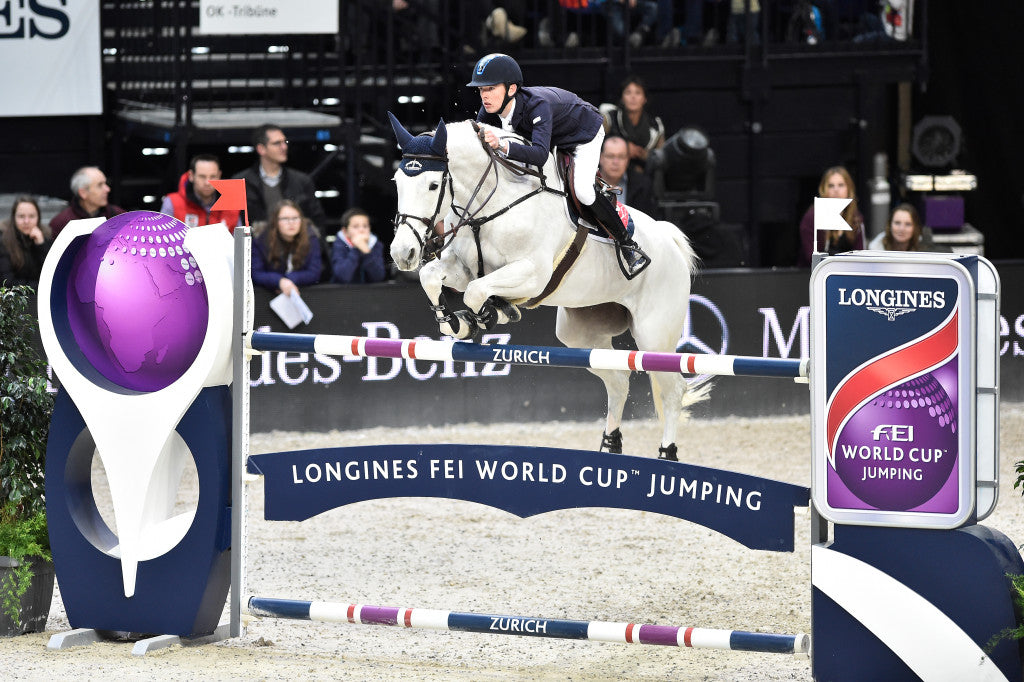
(432,242)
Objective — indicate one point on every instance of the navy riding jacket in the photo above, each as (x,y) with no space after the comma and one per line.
(547,117)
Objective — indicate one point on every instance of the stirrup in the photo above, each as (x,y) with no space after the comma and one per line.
(612,442)
(669,453)
(631,258)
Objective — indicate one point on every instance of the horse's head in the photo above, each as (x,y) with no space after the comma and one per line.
(424,191)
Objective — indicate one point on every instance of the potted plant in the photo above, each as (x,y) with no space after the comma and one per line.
(26,569)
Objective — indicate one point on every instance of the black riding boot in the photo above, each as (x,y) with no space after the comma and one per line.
(632,259)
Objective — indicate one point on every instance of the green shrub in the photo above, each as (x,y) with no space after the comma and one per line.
(25,409)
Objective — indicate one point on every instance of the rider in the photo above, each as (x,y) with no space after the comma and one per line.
(550,117)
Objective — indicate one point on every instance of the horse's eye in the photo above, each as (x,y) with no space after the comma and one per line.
(434,186)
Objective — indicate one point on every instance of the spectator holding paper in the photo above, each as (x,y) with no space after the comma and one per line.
(286,255)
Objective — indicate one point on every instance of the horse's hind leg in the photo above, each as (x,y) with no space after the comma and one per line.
(594,327)
(660,332)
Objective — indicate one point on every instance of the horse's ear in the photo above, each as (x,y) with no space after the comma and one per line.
(440,142)
(401,134)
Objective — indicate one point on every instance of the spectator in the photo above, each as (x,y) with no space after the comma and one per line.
(736,31)
(357,256)
(195,197)
(836,183)
(631,120)
(24,243)
(89,191)
(286,254)
(902,231)
(637,191)
(619,12)
(268,181)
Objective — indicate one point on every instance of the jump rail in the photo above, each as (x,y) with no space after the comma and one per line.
(546,356)
(595,631)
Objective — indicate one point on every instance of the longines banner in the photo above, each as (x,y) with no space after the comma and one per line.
(51,53)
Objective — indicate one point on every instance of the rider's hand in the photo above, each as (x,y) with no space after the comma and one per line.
(491,138)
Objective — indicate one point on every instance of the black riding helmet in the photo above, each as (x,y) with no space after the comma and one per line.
(495,69)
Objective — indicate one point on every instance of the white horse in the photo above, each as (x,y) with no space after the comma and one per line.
(522,225)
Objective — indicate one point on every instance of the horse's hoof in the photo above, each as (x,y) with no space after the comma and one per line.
(507,312)
(487,318)
(467,327)
(612,442)
(669,453)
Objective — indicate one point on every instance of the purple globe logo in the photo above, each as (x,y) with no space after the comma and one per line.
(137,303)
(898,451)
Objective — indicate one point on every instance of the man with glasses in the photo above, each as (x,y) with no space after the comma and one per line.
(268,181)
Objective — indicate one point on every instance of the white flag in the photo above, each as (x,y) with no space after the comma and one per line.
(828,214)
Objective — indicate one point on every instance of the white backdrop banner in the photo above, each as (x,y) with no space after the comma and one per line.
(220,17)
(50,57)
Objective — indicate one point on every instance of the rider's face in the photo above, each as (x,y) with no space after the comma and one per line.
(493,95)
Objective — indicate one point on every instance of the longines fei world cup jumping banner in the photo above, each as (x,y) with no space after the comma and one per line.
(903,384)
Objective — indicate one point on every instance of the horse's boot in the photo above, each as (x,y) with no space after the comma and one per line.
(632,259)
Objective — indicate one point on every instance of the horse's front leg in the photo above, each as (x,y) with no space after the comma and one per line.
(433,276)
(488,296)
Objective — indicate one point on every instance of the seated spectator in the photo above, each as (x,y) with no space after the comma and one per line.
(286,254)
(24,243)
(902,231)
(195,197)
(736,31)
(268,181)
(836,183)
(89,192)
(631,120)
(637,191)
(357,256)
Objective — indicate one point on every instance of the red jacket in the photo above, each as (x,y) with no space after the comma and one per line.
(185,201)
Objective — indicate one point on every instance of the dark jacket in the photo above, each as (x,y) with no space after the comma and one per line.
(349,265)
(185,201)
(303,274)
(640,193)
(74,211)
(295,185)
(29,271)
(547,117)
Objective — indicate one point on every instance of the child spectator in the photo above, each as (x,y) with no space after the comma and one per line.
(357,256)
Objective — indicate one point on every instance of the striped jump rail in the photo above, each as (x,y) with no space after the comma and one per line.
(595,631)
(540,356)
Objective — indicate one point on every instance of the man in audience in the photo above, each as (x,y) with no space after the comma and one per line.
(615,169)
(89,191)
(268,181)
(195,197)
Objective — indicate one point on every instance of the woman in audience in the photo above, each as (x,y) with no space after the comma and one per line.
(24,243)
(902,231)
(357,256)
(286,254)
(631,120)
(836,183)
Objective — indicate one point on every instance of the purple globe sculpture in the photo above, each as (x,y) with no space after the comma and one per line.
(137,303)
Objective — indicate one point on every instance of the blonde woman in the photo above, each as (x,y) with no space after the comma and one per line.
(836,183)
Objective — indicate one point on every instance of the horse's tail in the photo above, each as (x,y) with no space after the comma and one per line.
(689,255)
(696,392)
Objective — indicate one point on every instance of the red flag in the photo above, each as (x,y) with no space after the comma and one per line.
(232,196)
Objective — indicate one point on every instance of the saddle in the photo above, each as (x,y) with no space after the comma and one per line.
(566,166)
